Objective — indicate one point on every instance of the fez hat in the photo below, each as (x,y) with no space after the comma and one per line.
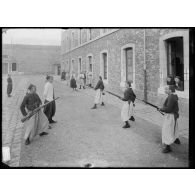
(129,83)
(31,86)
(178,77)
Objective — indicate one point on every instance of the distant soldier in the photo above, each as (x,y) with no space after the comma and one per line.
(90,75)
(9,85)
(170,80)
(170,124)
(48,96)
(73,83)
(84,79)
(63,75)
(81,80)
(38,123)
(99,93)
(127,109)
(179,84)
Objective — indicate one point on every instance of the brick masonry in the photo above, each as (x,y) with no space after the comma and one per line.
(12,127)
(112,43)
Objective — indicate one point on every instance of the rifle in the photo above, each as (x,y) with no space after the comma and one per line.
(153,106)
(114,94)
(35,111)
(138,99)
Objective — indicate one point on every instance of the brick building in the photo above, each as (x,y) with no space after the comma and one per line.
(30,59)
(146,56)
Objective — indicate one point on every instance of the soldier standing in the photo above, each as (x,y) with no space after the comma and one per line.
(170,124)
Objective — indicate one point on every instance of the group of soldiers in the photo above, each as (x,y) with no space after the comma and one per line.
(38,123)
(81,80)
(170,110)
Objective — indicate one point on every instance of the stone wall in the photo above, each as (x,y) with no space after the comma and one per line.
(32,58)
(113,43)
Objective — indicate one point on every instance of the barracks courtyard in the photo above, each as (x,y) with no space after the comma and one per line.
(82,135)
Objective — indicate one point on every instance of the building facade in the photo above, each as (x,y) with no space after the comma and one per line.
(30,59)
(145,56)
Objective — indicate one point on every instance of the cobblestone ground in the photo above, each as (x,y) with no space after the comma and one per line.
(11,131)
(85,136)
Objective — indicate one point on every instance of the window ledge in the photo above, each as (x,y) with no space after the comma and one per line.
(181,94)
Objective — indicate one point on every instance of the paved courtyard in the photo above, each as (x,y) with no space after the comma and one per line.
(82,135)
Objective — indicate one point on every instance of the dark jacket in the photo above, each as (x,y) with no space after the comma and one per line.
(31,102)
(171,105)
(100,85)
(129,95)
(9,81)
(73,83)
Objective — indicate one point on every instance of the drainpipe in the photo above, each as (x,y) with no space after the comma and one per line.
(145,80)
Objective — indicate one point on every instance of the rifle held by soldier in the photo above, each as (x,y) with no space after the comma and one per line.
(35,111)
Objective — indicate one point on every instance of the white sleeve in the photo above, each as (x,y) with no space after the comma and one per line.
(46,88)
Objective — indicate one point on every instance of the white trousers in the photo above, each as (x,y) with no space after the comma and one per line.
(127,111)
(98,97)
(169,129)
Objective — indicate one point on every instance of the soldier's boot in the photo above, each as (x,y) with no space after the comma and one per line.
(177,141)
(132,118)
(127,125)
(166,149)
(94,107)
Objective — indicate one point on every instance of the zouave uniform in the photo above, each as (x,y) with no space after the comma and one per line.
(38,123)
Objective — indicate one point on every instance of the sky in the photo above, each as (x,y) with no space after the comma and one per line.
(33,36)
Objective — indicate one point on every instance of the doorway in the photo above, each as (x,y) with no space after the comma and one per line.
(175,57)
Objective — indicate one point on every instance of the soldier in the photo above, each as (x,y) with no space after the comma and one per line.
(179,84)
(90,78)
(9,85)
(48,95)
(99,93)
(127,109)
(170,124)
(73,83)
(38,123)
(84,79)
(170,80)
(81,80)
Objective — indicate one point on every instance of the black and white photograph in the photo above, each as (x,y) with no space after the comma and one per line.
(92,97)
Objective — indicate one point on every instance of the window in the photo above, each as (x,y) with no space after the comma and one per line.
(68,65)
(5,68)
(90,63)
(14,67)
(5,56)
(80,37)
(72,44)
(89,34)
(80,66)
(105,65)
(72,66)
(129,63)
(174,59)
